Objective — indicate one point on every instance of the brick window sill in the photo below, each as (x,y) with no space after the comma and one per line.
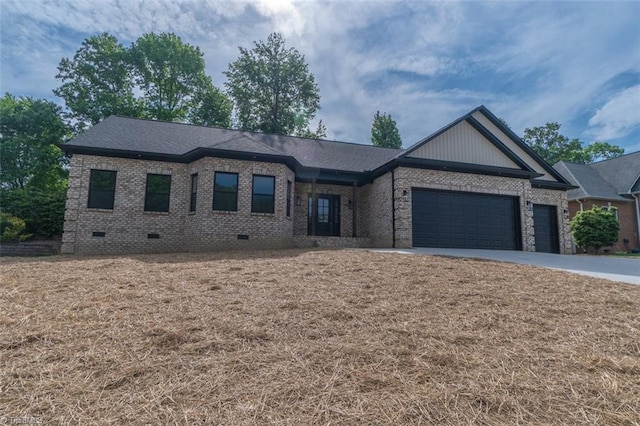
(225,212)
(156,213)
(263,214)
(89,209)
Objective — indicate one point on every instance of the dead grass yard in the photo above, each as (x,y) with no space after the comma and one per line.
(314,337)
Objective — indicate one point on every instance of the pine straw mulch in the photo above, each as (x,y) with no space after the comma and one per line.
(314,337)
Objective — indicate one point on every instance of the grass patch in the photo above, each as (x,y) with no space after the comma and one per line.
(625,254)
(326,337)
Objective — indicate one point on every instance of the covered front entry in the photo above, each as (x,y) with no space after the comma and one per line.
(326,221)
(465,220)
(545,226)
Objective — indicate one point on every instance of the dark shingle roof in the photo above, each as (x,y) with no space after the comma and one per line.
(607,179)
(621,172)
(176,139)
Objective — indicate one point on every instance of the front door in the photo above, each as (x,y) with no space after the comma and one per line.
(327,215)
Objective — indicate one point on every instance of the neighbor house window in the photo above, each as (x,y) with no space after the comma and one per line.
(611,209)
(225,191)
(263,195)
(157,193)
(194,192)
(102,189)
(289,188)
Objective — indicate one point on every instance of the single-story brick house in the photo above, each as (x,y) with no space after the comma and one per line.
(149,186)
(614,185)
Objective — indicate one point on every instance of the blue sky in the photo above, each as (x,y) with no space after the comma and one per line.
(425,63)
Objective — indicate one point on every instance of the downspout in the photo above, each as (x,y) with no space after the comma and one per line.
(314,204)
(636,198)
(580,202)
(354,217)
(393,207)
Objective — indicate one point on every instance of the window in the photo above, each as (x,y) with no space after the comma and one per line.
(225,191)
(194,192)
(102,189)
(263,197)
(289,187)
(157,193)
(611,209)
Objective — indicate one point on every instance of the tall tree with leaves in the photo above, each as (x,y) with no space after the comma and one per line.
(552,146)
(211,108)
(98,81)
(103,77)
(29,131)
(384,131)
(272,88)
(32,176)
(170,73)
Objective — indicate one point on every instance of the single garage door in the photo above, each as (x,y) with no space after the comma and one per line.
(465,220)
(545,226)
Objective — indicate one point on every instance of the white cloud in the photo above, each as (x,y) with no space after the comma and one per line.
(618,117)
(530,63)
(284,14)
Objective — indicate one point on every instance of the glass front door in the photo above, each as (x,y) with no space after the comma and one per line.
(327,217)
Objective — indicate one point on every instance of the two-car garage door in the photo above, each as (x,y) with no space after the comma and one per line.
(465,220)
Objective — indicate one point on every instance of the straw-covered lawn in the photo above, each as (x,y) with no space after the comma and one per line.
(322,337)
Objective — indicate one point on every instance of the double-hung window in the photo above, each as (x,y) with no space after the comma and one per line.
(157,193)
(263,194)
(102,189)
(225,191)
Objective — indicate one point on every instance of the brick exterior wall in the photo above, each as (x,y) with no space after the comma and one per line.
(376,216)
(127,226)
(209,229)
(626,218)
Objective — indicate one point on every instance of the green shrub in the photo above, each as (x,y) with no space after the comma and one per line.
(595,228)
(42,210)
(12,229)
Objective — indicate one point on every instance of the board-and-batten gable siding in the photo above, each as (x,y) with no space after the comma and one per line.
(513,147)
(464,144)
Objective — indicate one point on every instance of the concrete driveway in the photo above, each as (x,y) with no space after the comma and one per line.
(611,268)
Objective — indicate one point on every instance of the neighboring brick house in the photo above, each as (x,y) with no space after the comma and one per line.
(612,184)
(149,186)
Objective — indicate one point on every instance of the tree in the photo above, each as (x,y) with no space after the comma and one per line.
(170,73)
(211,108)
(98,81)
(272,88)
(41,209)
(598,151)
(549,144)
(29,131)
(103,78)
(384,131)
(595,228)
(319,133)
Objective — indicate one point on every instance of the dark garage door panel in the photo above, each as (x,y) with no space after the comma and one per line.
(545,227)
(464,220)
